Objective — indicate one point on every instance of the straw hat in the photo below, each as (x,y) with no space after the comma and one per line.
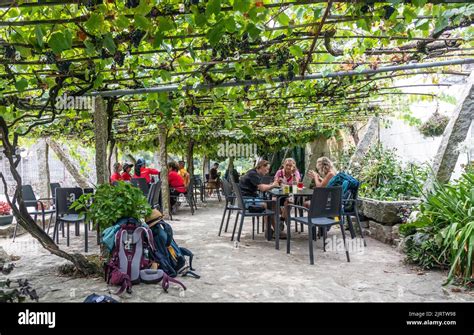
(153,218)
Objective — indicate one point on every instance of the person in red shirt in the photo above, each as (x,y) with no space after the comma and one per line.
(116,175)
(141,171)
(176,183)
(126,176)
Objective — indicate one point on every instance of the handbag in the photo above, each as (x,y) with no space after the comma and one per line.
(256,209)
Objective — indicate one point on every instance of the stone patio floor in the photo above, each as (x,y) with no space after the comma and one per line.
(251,271)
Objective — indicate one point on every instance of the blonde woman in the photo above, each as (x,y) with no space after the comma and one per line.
(288,173)
(326,171)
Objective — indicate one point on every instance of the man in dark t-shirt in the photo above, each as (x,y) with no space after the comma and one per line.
(251,183)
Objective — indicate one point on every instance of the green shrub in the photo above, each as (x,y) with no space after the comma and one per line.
(448,215)
(384,177)
(111,203)
(423,249)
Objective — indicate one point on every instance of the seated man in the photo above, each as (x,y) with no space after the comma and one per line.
(214,178)
(176,184)
(251,183)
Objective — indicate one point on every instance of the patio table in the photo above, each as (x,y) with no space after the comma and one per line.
(278,194)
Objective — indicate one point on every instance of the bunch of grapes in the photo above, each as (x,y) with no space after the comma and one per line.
(136,37)
(369,7)
(167,9)
(282,56)
(104,54)
(63,66)
(91,4)
(264,60)
(247,87)
(132,3)
(154,12)
(10,52)
(50,57)
(244,44)
(291,73)
(226,47)
(119,57)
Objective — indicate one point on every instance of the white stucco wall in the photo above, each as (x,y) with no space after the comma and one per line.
(411,145)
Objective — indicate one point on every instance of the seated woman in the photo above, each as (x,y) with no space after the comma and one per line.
(326,172)
(142,171)
(287,175)
(116,176)
(126,176)
(176,184)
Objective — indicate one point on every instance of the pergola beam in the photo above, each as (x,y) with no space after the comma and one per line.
(171,88)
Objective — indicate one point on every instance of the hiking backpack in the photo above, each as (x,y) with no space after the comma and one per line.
(350,186)
(134,252)
(171,257)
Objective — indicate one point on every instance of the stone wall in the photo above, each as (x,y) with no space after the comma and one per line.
(382,220)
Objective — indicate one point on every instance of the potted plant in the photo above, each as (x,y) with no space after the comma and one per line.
(5,214)
(111,203)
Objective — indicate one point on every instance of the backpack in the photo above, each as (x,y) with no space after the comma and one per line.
(133,252)
(99,299)
(171,257)
(350,186)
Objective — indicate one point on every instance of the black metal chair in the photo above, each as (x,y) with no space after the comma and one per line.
(188,196)
(243,212)
(216,185)
(53,187)
(89,190)
(30,200)
(326,202)
(64,214)
(229,205)
(141,184)
(154,196)
(198,187)
(350,209)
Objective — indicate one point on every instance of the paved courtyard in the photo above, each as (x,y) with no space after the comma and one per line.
(251,271)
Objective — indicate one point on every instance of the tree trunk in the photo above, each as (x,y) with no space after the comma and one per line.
(43,168)
(165,189)
(70,167)
(318,148)
(205,167)
(112,157)
(21,213)
(455,133)
(101,138)
(230,167)
(116,153)
(190,158)
(364,144)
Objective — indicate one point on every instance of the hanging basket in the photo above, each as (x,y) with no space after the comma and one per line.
(435,125)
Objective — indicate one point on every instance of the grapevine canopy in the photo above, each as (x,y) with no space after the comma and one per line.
(201,49)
